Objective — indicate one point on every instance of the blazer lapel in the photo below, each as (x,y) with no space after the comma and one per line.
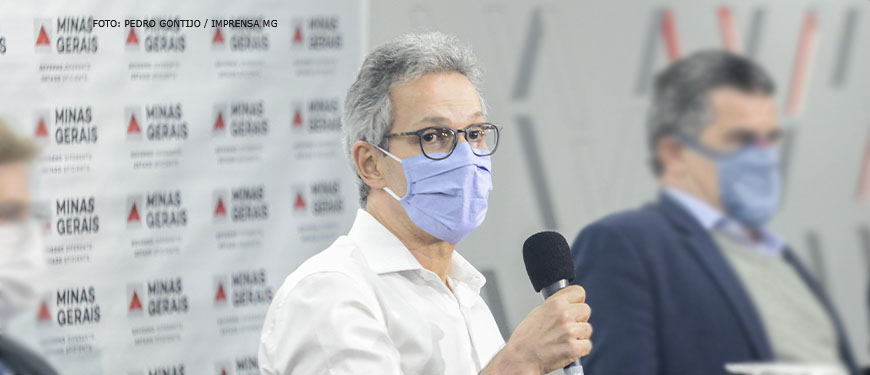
(702,247)
(845,348)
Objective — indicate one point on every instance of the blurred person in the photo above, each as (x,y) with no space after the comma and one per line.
(393,296)
(695,280)
(21,252)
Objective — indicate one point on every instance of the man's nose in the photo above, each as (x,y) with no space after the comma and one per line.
(460,137)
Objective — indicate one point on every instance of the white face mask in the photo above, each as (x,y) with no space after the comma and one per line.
(21,266)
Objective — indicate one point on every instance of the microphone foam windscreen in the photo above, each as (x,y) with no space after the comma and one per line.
(548,259)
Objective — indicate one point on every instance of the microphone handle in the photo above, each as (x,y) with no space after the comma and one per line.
(575,368)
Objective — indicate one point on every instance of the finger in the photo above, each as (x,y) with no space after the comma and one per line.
(578,348)
(577,312)
(572,294)
(583,312)
(581,331)
(586,347)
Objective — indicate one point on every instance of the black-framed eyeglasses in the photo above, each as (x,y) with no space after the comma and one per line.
(438,142)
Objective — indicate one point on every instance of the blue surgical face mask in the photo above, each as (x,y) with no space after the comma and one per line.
(446,198)
(749,181)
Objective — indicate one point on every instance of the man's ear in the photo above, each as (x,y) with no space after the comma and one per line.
(365,158)
(671,155)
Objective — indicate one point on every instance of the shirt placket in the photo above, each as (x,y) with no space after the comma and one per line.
(461,309)
(454,307)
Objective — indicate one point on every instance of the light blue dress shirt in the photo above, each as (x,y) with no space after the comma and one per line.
(711,219)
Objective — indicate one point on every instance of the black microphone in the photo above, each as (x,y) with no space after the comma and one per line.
(550,267)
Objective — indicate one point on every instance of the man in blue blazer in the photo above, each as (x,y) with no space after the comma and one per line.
(694,281)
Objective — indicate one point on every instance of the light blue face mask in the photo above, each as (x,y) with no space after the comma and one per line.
(749,181)
(446,198)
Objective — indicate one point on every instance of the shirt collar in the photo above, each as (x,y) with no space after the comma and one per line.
(382,249)
(462,271)
(384,253)
(705,214)
(711,218)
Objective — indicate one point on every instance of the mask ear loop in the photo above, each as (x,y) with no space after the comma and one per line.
(396,158)
(700,148)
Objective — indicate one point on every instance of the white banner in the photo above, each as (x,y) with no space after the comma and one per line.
(191,160)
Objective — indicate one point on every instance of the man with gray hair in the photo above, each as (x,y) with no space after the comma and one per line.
(695,281)
(393,296)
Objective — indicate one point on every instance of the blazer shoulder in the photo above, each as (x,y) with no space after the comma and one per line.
(629,222)
(636,229)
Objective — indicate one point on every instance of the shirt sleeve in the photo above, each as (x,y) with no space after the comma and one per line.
(326,324)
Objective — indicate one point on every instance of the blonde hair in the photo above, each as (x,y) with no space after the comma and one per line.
(14,147)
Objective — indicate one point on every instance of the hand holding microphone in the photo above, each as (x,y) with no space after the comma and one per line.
(555,334)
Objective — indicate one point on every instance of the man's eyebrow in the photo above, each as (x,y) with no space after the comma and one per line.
(434,119)
(737,133)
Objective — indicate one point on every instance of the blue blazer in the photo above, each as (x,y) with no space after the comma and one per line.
(664,299)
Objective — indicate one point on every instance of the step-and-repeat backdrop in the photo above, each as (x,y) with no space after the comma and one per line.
(190,161)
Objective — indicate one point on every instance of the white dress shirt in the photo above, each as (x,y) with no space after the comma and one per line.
(365,305)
